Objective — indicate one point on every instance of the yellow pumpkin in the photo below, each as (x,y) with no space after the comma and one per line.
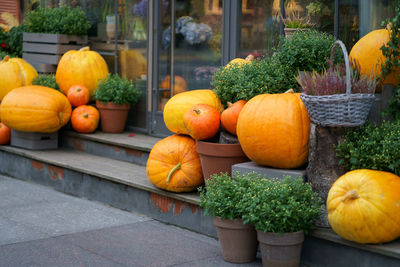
(174,164)
(14,73)
(367,52)
(35,109)
(177,106)
(364,206)
(240,61)
(82,67)
(273,130)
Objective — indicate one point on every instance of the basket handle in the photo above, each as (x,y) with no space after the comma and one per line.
(346,60)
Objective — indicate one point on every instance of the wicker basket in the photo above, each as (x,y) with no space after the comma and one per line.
(346,110)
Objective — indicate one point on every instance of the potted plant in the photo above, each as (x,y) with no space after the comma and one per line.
(296,23)
(281,212)
(114,96)
(63,28)
(221,199)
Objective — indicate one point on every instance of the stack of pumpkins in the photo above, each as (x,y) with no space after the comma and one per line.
(28,108)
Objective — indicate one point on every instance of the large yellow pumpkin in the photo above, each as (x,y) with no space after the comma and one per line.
(177,106)
(35,109)
(83,67)
(273,130)
(14,73)
(367,51)
(364,206)
(174,164)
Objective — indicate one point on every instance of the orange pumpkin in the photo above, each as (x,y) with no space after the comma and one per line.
(364,206)
(202,121)
(174,164)
(35,109)
(229,116)
(78,95)
(83,67)
(177,106)
(85,119)
(5,134)
(367,52)
(179,85)
(273,130)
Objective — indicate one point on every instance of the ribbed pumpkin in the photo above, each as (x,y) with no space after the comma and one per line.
(85,119)
(202,121)
(78,95)
(5,134)
(174,164)
(273,130)
(367,51)
(177,106)
(180,85)
(35,109)
(240,61)
(364,206)
(82,66)
(14,73)
(229,116)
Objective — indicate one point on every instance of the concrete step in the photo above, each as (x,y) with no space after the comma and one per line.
(127,146)
(117,183)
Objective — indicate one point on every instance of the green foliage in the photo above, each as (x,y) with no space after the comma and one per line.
(3,54)
(46,80)
(62,20)
(222,195)
(11,42)
(117,90)
(391,50)
(307,51)
(248,80)
(371,147)
(297,24)
(281,206)
(392,109)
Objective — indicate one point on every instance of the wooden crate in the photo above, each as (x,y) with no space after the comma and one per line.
(34,141)
(43,51)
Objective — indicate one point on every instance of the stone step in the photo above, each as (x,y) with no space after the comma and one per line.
(127,146)
(117,183)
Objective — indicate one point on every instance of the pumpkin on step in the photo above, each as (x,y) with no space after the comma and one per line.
(35,109)
(177,106)
(364,206)
(83,67)
(273,130)
(15,72)
(174,164)
(78,95)
(5,134)
(85,119)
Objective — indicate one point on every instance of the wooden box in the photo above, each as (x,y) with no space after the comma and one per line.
(34,141)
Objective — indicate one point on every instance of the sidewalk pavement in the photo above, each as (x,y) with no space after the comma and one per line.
(43,227)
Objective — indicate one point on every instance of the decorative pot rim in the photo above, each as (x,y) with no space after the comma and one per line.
(277,239)
(111,105)
(219,150)
(231,223)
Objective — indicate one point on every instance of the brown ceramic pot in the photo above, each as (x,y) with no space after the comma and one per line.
(216,158)
(280,250)
(112,116)
(238,241)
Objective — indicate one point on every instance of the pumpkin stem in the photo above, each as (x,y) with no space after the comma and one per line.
(249,57)
(290,91)
(60,116)
(6,58)
(79,89)
(229,104)
(86,48)
(85,115)
(350,195)
(174,169)
(198,111)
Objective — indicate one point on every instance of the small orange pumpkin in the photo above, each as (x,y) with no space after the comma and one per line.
(229,116)
(180,85)
(5,134)
(85,119)
(78,95)
(202,121)
(174,164)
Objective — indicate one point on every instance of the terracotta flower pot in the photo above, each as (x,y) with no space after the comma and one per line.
(280,250)
(238,241)
(216,158)
(112,116)
(290,31)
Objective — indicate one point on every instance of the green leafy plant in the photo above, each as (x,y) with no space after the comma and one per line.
(117,90)
(248,80)
(307,51)
(46,80)
(61,20)
(391,50)
(11,41)
(222,195)
(392,109)
(371,147)
(281,206)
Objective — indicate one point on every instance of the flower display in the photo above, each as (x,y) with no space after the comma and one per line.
(204,73)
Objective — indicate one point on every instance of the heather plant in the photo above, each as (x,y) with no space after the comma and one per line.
(333,81)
